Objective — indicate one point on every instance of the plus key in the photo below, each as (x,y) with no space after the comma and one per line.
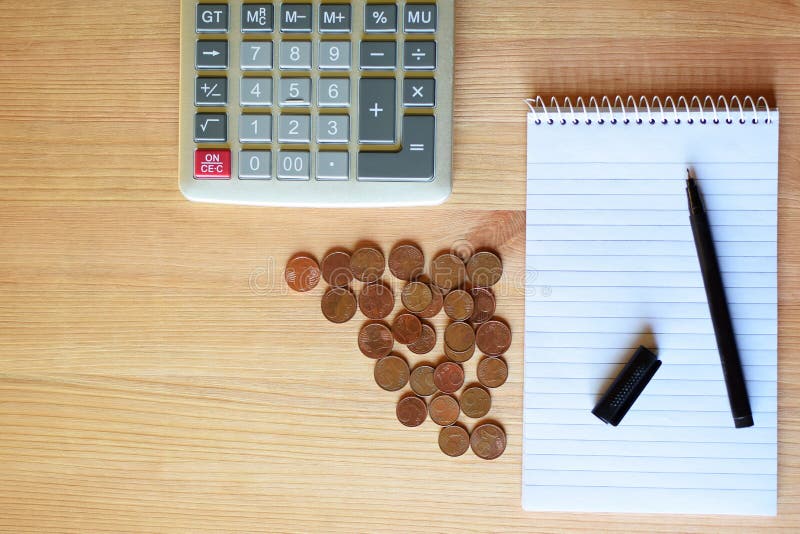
(377,113)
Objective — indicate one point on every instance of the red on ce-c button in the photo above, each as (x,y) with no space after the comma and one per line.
(212,164)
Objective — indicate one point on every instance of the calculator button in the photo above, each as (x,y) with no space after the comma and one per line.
(334,55)
(415,162)
(295,55)
(378,55)
(380,18)
(376,111)
(295,92)
(420,55)
(256,92)
(212,55)
(211,91)
(212,164)
(333,129)
(257,18)
(333,166)
(295,129)
(255,165)
(420,18)
(334,93)
(419,92)
(210,127)
(294,165)
(296,18)
(334,18)
(256,55)
(212,18)
(255,128)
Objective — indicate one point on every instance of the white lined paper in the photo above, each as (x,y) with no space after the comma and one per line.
(611,264)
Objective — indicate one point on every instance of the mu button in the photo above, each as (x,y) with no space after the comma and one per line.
(212,164)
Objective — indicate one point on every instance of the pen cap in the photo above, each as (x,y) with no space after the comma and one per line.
(627,387)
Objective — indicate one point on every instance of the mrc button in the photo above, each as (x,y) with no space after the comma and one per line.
(212,164)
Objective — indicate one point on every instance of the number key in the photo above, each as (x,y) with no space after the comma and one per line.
(334,93)
(256,92)
(295,91)
(255,128)
(295,129)
(334,55)
(255,165)
(294,165)
(256,55)
(295,55)
(333,129)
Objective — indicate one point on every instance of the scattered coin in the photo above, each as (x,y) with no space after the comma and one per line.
(444,410)
(426,341)
(492,372)
(453,440)
(488,441)
(422,381)
(459,356)
(416,297)
(437,302)
(458,305)
(391,373)
(336,269)
(406,328)
(459,336)
(493,338)
(476,402)
(484,269)
(406,262)
(367,264)
(339,305)
(376,301)
(448,377)
(302,274)
(375,340)
(448,272)
(485,304)
(412,411)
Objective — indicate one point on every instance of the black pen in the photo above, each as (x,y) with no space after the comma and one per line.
(718,306)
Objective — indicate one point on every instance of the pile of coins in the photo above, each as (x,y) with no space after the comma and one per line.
(459,286)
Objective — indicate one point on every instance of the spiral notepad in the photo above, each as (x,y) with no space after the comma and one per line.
(611,265)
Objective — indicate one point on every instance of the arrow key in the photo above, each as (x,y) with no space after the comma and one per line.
(212,55)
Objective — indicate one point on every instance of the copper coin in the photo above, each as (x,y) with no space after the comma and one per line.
(476,402)
(407,328)
(444,410)
(422,381)
(484,269)
(302,274)
(485,304)
(367,264)
(448,377)
(459,336)
(406,262)
(376,301)
(338,305)
(448,272)
(453,440)
(458,305)
(391,373)
(437,302)
(488,441)
(426,341)
(336,269)
(416,297)
(492,372)
(375,340)
(493,338)
(459,356)
(412,411)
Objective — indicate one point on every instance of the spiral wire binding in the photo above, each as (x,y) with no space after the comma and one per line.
(649,111)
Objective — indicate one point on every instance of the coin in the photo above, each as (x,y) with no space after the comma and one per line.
(406,262)
(375,340)
(453,440)
(485,304)
(426,341)
(376,301)
(339,305)
(476,402)
(336,269)
(492,372)
(422,381)
(448,272)
(458,305)
(302,274)
(459,356)
(444,410)
(488,441)
(484,269)
(412,411)
(437,301)
(416,297)
(459,336)
(406,328)
(367,264)
(448,377)
(391,373)
(493,338)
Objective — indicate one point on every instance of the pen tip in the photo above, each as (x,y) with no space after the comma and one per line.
(689,174)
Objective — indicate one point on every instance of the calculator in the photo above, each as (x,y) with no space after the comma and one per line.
(316,103)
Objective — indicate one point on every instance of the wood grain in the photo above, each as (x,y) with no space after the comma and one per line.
(154,374)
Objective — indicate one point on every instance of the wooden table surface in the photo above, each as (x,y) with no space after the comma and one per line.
(154,373)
